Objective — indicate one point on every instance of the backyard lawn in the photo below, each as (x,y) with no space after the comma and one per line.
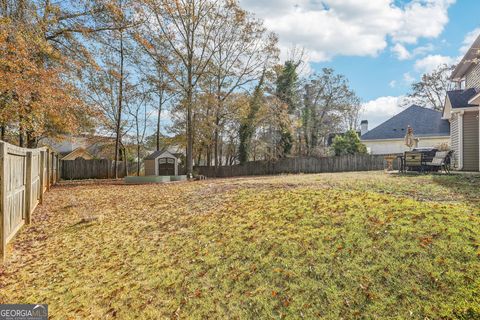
(347,245)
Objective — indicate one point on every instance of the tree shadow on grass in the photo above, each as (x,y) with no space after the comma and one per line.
(89,182)
(465,185)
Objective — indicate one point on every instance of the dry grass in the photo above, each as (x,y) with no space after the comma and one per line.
(353,245)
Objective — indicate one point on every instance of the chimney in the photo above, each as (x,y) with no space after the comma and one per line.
(363,127)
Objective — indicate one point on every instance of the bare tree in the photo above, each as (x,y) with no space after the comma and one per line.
(165,95)
(325,98)
(116,40)
(187,28)
(431,90)
(351,113)
(240,52)
(137,108)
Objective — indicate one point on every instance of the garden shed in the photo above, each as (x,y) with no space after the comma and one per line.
(161,163)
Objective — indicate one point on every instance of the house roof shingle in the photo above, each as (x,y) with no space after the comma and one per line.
(460,98)
(158,153)
(154,155)
(425,123)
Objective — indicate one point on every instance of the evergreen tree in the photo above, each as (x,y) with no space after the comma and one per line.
(286,91)
(348,143)
(247,128)
(287,85)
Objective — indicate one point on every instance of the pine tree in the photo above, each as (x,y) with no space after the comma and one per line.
(286,91)
(247,127)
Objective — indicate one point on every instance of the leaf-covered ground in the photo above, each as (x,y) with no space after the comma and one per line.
(333,246)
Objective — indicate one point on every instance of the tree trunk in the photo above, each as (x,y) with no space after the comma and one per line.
(138,159)
(217,123)
(2,132)
(123,151)
(31,141)
(209,155)
(220,154)
(21,142)
(160,102)
(120,101)
(199,157)
(188,102)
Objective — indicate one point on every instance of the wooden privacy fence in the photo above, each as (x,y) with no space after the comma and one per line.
(25,174)
(90,169)
(298,165)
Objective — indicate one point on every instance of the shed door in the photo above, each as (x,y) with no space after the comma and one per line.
(470,141)
(166,167)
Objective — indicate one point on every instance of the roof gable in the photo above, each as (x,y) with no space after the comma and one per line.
(461,98)
(467,60)
(447,109)
(160,153)
(78,153)
(425,122)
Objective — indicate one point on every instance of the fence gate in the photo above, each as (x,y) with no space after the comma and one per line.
(14,175)
(24,177)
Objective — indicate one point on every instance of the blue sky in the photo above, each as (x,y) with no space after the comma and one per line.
(380,45)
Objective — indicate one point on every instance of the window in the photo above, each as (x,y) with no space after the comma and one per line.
(166,160)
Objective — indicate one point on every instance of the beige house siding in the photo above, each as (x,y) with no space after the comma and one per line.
(472,78)
(149,167)
(470,141)
(455,140)
(393,146)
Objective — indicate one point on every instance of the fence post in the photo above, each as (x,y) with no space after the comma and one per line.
(28,188)
(60,168)
(57,178)
(3,201)
(42,178)
(52,166)
(47,163)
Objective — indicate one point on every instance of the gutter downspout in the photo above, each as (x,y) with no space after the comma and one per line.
(460,138)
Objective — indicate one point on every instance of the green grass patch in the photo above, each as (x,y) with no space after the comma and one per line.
(347,245)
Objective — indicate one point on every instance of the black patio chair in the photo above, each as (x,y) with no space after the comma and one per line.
(442,161)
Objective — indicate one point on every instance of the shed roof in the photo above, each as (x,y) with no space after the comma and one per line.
(159,153)
(425,122)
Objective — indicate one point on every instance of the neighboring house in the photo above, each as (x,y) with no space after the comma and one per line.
(82,146)
(78,153)
(388,138)
(462,110)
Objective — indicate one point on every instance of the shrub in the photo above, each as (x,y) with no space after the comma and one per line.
(348,143)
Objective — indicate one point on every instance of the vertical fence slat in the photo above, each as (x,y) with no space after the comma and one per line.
(90,169)
(345,163)
(41,174)
(24,177)
(3,201)
(28,188)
